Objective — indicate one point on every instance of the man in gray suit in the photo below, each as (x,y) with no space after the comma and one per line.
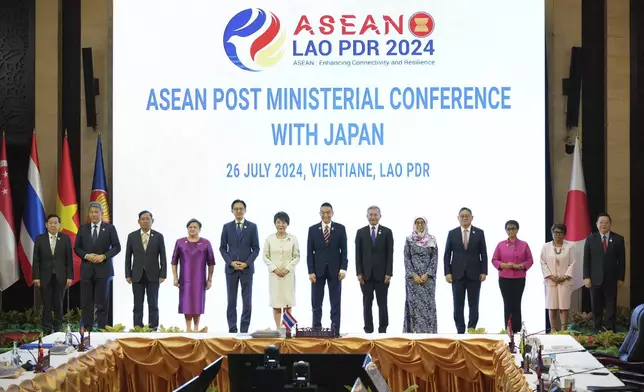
(604,270)
(145,268)
(465,268)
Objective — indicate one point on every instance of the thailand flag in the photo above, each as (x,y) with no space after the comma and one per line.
(288,321)
(33,219)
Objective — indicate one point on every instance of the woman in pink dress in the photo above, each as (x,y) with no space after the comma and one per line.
(512,257)
(193,254)
(557,265)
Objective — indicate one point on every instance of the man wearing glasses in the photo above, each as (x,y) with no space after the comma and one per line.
(326,258)
(239,247)
(465,268)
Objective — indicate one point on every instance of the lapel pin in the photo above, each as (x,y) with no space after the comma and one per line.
(103,229)
(380,232)
(58,238)
(245,227)
(320,228)
(333,228)
(473,232)
(611,240)
(151,234)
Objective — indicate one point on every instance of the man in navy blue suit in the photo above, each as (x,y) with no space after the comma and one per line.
(327,261)
(239,247)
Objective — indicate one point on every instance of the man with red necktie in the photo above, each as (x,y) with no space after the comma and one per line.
(327,260)
(604,270)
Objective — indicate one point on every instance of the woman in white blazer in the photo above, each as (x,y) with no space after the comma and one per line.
(557,265)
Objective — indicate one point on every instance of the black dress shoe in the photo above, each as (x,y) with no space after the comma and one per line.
(367,330)
(232,330)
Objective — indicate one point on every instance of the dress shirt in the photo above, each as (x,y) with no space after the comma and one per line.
(324,226)
(515,252)
(91,231)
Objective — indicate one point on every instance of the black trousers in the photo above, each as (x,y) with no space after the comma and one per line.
(317,298)
(233,281)
(139,289)
(94,292)
(461,288)
(381,289)
(602,297)
(512,292)
(52,295)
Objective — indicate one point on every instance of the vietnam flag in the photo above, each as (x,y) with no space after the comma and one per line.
(66,204)
(99,184)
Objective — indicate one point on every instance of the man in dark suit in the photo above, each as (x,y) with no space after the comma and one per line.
(53,271)
(148,269)
(465,268)
(374,266)
(239,247)
(96,243)
(604,270)
(327,261)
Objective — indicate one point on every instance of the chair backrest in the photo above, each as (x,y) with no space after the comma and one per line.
(632,350)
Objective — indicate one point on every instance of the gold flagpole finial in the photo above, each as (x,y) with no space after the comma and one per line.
(65,132)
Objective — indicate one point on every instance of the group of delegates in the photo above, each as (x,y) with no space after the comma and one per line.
(193,261)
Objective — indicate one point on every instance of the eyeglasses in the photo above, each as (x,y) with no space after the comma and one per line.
(559,233)
(511,229)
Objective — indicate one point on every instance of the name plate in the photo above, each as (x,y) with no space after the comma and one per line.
(44,365)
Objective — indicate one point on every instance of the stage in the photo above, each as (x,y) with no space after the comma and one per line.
(437,363)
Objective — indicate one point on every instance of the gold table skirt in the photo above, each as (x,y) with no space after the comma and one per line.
(143,364)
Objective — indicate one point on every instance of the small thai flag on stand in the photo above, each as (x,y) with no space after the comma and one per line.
(288,321)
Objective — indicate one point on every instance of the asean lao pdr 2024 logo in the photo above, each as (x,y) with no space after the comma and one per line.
(254,39)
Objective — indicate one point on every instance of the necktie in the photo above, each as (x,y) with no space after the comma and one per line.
(52,243)
(604,244)
(466,240)
(145,241)
(238,229)
(373,235)
(95,233)
(327,235)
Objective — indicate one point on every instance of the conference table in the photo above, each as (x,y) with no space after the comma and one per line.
(437,363)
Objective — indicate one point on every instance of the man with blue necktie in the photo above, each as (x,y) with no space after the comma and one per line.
(239,247)
(326,258)
(374,266)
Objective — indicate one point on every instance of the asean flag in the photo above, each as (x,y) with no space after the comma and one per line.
(67,205)
(33,218)
(577,218)
(99,184)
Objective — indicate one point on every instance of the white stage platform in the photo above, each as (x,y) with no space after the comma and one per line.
(566,363)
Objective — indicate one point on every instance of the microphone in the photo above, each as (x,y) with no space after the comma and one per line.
(545,330)
(581,350)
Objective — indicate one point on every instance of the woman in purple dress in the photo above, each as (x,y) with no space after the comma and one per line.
(194,254)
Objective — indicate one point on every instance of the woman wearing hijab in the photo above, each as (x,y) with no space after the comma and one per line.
(421,260)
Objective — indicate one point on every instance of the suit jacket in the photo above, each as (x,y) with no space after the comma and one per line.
(106,244)
(320,255)
(374,261)
(600,266)
(152,260)
(460,262)
(244,247)
(62,261)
